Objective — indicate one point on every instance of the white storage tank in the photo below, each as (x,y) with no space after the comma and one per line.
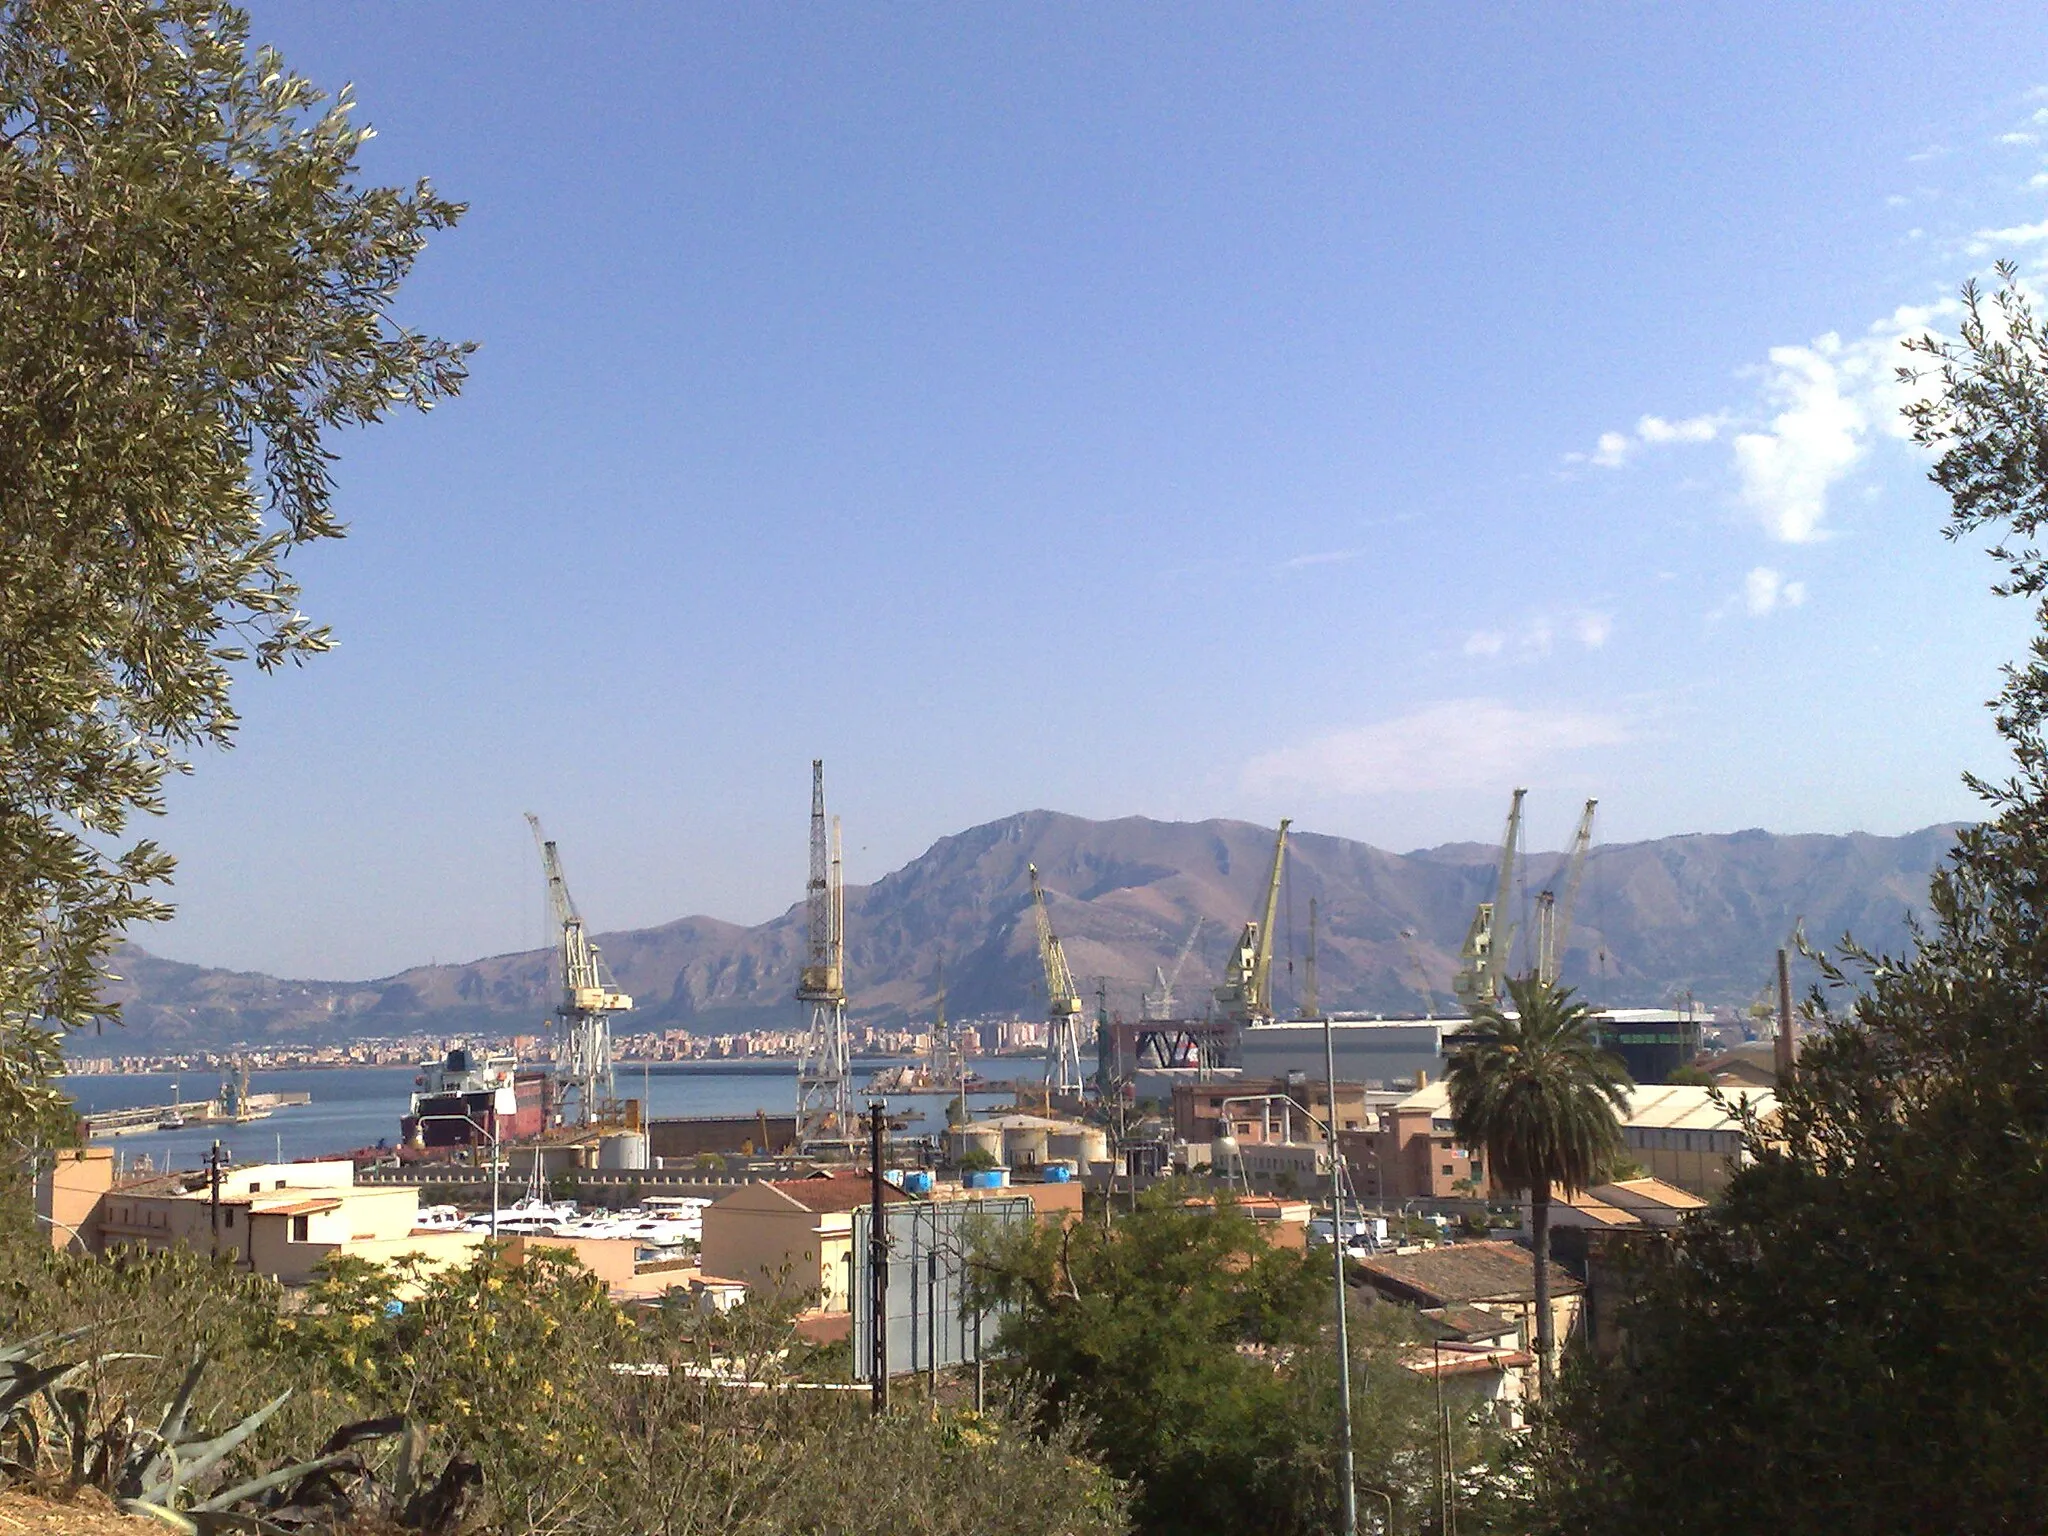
(976,1136)
(1082,1145)
(622,1150)
(1024,1145)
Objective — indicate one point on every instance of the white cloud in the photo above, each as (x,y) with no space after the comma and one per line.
(2018,138)
(1694,429)
(1785,472)
(1457,744)
(1765,591)
(1614,448)
(1323,557)
(1538,637)
(2016,234)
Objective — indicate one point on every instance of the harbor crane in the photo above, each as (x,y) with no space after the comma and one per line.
(589,998)
(1491,938)
(1159,1002)
(1311,1004)
(1062,1002)
(824,1084)
(1554,912)
(1246,995)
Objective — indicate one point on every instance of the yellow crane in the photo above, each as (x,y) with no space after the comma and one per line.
(1247,991)
(589,996)
(1062,1002)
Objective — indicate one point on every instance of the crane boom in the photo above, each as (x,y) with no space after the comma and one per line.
(1262,976)
(1560,920)
(589,996)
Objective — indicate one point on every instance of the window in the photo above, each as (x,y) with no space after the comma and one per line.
(229,1214)
(302,1225)
(1449,1169)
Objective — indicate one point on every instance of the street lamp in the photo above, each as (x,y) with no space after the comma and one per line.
(1385,1498)
(76,1236)
(1226,1145)
(491,1133)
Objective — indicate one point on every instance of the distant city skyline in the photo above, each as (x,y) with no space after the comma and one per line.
(1179,412)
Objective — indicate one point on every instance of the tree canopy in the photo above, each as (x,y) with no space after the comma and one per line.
(195,294)
(1195,1359)
(1851,1340)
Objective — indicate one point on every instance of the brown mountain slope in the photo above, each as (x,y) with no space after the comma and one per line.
(1655,919)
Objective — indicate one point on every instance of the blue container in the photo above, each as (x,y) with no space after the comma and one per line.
(997,1178)
(917,1182)
(1058,1173)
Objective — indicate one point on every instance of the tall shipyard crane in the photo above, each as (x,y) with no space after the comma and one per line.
(1491,938)
(824,1087)
(1062,1002)
(589,998)
(1246,995)
(1554,912)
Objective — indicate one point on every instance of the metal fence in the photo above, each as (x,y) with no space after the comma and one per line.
(929,1324)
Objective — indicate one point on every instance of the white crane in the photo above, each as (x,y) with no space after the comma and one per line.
(824,1086)
(1554,913)
(1491,938)
(589,998)
(1158,1003)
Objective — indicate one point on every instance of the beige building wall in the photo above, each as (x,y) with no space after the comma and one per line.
(68,1195)
(762,1237)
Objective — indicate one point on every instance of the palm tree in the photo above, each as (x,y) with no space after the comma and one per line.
(1535,1092)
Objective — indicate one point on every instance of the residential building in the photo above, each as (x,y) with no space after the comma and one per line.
(794,1237)
(1414,1154)
(790,1237)
(277,1219)
(1198,1108)
(1460,1281)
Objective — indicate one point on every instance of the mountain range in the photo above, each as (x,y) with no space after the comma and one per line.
(1657,920)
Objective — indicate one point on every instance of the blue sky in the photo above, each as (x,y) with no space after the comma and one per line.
(1328,412)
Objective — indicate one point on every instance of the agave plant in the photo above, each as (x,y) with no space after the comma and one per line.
(163,1473)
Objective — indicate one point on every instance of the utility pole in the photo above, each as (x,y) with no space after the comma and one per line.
(213,1194)
(878,1266)
(1784,1052)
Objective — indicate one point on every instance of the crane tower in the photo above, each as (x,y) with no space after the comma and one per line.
(824,1093)
(589,998)
(1062,1003)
